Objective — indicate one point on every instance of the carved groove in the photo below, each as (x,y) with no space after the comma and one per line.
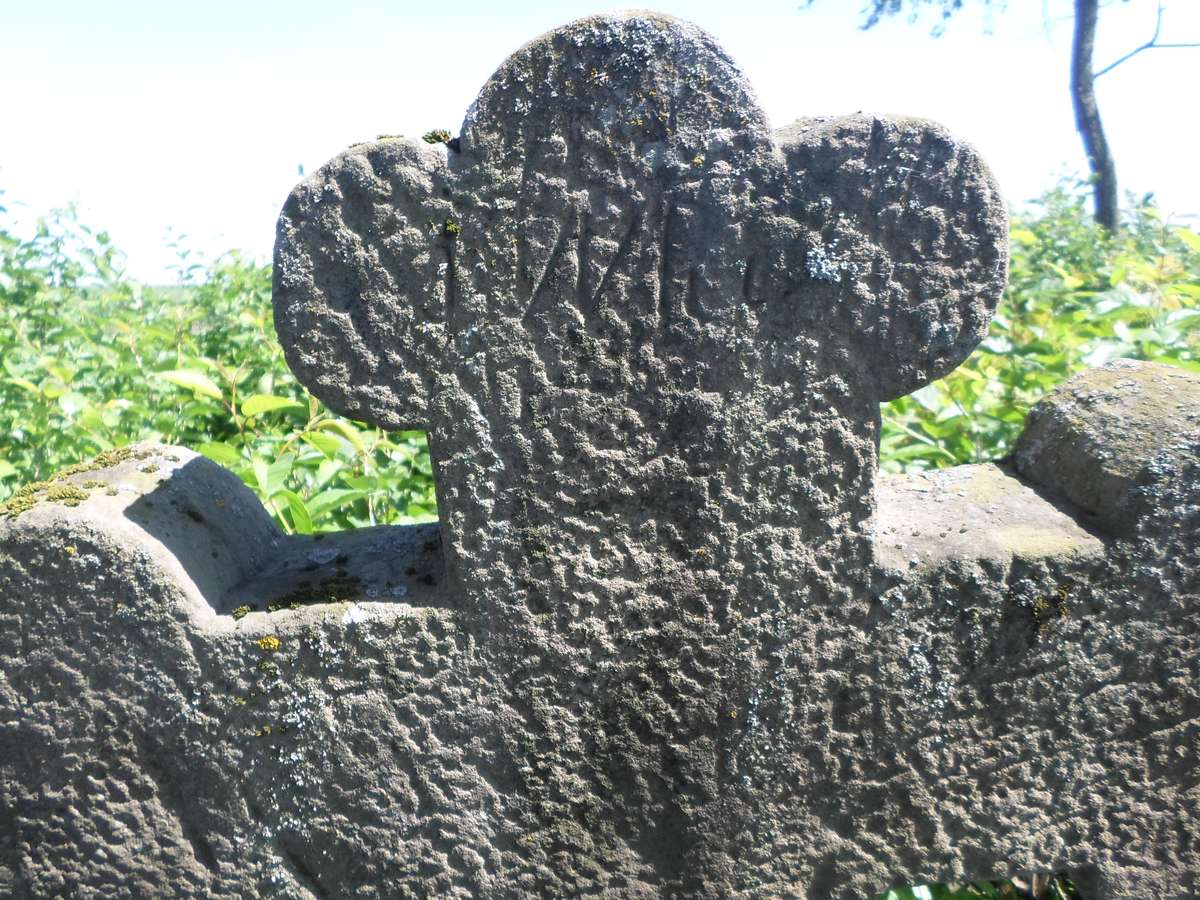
(620,254)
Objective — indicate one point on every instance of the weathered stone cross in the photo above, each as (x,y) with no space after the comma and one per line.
(681,643)
(648,338)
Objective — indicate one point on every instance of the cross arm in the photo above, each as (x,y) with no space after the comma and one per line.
(913,240)
(364,279)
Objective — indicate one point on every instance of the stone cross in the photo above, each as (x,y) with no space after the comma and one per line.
(670,636)
(647,336)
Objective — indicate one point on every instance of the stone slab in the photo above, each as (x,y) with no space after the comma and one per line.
(983,512)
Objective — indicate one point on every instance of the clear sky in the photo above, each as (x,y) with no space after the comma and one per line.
(192,118)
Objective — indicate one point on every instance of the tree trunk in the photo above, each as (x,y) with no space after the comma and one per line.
(1087,115)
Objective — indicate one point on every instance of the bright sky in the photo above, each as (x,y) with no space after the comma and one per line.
(192,118)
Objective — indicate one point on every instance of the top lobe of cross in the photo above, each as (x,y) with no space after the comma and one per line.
(621,297)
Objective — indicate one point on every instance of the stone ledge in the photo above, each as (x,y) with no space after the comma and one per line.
(196,529)
(973,512)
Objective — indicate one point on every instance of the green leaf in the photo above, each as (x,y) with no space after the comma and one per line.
(262,477)
(25,385)
(192,379)
(327,501)
(220,453)
(258,404)
(52,388)
(301,520)
(1187,290)
(7,469)
(1189,237)
(65,374)
(277,472)
(346,430)
(72,402)
(325,443)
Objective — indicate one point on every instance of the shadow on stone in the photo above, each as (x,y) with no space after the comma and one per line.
(241,562)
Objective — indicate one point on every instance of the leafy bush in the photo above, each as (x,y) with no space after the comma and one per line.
(92,360)
(1076,299)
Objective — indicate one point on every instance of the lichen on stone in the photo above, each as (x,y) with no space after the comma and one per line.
(335,589)
(106,460)
(269,643)
(28,496)
(55,489)
(1049,609)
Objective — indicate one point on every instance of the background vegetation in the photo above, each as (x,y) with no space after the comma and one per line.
(92,360)
(1077,298)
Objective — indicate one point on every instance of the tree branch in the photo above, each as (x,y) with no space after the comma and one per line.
(1087,116)
(1151,44)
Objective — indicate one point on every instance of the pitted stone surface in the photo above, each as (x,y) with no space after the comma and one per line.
(1096,439)
(618,276)
(665,654)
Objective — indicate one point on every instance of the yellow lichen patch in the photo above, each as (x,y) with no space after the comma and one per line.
(23,498)
(66,494)
(1049,609)
(29,495)
(269,644)
(105,460)
(56,489)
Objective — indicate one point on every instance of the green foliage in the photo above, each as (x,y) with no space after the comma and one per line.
(1077,298)
(91,360)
